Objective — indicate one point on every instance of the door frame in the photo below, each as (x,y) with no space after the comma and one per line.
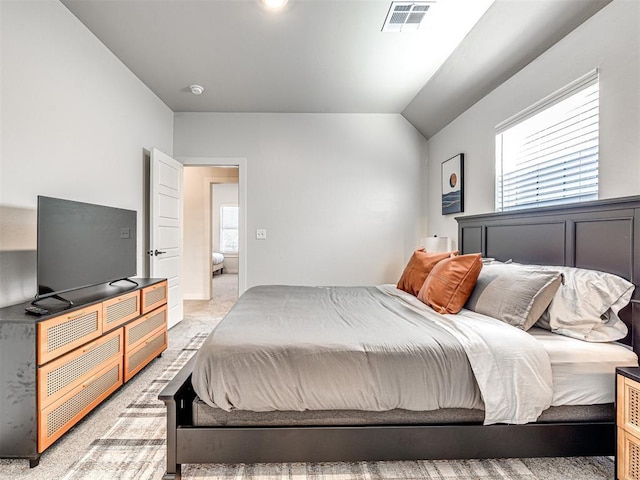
(241,163)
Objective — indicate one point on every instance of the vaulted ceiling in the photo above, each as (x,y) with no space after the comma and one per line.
(328,56)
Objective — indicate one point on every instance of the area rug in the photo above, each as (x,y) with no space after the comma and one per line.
(134,449)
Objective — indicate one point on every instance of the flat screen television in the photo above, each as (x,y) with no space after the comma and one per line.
(81,245)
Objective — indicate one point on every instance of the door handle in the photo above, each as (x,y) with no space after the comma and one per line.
(158,252)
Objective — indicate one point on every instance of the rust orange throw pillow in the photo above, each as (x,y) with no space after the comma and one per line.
(450,283)
(419,266)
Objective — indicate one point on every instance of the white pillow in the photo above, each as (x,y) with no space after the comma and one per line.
(586,306)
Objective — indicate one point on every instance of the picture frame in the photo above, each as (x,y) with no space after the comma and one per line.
(452,172)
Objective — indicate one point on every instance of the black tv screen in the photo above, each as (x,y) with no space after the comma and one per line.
(80,245)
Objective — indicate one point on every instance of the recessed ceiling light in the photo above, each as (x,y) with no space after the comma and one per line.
(196,89)
(274,4)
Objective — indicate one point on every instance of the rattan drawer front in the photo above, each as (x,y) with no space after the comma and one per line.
(58,377)
(60,416)
(629,405)
(64,333)
(138,358)
(154,296)
(628,456)
(136,332)
(120,310)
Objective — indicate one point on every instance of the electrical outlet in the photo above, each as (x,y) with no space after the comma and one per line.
(124,233)
(261,234)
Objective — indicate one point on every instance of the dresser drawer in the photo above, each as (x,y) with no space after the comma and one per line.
(120,310)
(628,405)
(154,296)
(62,334)
(136,332)
(58,377)
(135,360)
(60,416)
(628,460)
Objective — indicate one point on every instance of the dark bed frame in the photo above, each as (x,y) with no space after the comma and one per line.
(601,235)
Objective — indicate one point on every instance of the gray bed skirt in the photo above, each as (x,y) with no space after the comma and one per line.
(206,416)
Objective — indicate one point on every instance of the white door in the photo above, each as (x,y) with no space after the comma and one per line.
(165,236)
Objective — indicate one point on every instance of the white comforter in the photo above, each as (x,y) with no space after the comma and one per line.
(368,348)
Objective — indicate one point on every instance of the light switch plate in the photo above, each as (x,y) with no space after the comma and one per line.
(261,233)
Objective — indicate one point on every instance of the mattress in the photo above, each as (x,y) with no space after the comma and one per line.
(365,348)
(282,340)
(583,390)
(583,372)
(217,258)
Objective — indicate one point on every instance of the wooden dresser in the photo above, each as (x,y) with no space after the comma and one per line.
(628,423)
(56,368)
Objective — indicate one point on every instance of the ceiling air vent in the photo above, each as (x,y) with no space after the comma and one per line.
(405,16)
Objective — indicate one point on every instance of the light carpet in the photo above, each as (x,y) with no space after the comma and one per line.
(134,447)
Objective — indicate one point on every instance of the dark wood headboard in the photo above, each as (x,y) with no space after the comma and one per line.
(602,235)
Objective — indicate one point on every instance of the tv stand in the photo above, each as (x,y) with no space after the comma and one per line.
(56,296)
(125,280)
(58,367)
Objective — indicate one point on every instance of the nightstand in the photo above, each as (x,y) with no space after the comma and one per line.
(628,423)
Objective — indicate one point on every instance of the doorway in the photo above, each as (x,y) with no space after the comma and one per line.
(224,238)
(210,191)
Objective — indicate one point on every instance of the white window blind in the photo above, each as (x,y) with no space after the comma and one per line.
(229,228)
(548,154)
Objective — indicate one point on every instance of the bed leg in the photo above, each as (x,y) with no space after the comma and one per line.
(173,469)
(173,476)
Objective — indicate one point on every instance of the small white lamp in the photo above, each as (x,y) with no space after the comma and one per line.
(436,244)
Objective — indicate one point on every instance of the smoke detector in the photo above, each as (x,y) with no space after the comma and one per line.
(405,16)
(196,89)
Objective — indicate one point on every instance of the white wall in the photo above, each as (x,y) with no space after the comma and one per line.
(75,122)
(223,194)
(610,41)
(339,194)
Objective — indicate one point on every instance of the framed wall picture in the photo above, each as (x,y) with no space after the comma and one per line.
(453,185)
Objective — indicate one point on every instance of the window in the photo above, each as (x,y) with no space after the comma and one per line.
(229,228)
(548,154)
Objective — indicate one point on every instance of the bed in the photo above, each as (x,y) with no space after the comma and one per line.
(200,433)
(217,263)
